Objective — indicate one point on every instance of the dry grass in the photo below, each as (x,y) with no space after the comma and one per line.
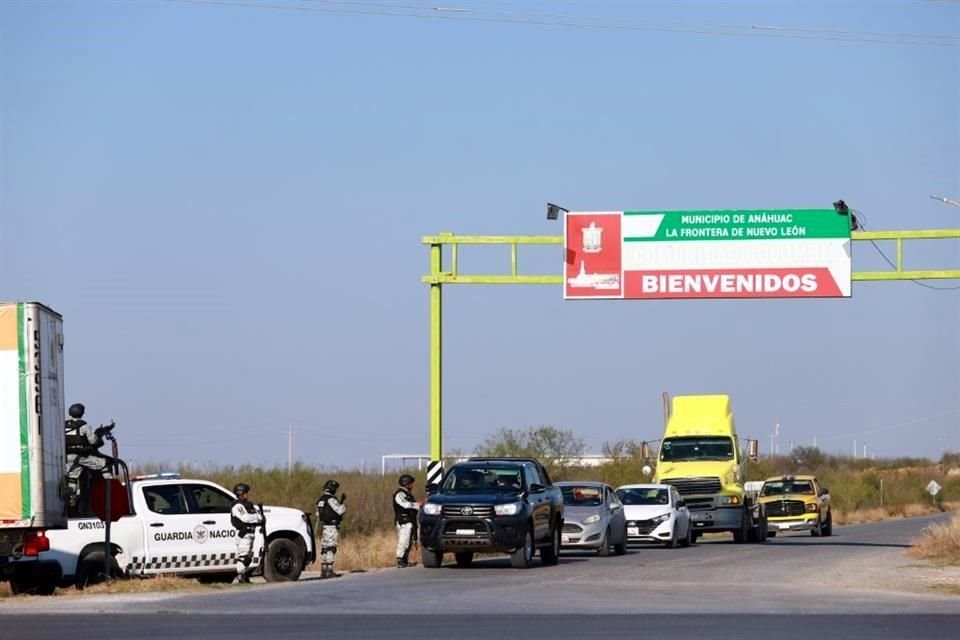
(861,516)
(940,543)
(137,585)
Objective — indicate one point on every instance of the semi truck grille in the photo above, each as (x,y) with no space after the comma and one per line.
(695,486)
(468,510)
(785,508)
(569,527)
(699,504)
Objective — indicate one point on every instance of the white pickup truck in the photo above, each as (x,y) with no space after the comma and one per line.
(178,527)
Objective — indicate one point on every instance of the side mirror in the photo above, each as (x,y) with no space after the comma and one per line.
(537,488)
(432,488)
(824,491)
(614,506)
(646,470)
(681,504)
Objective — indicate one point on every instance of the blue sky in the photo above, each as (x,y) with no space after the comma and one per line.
(226,204)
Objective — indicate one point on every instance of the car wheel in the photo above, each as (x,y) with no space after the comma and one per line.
(90,569)
(464,559)
(688,540)
(621,549)
(771,534)
(604,549)
(283,562)
(33,586)
(551,555)
(828,526)
(431,559)
(522,557)
(672,542)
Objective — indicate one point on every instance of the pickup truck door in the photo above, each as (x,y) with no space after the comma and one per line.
(215,537)
(539,505)
(168,529)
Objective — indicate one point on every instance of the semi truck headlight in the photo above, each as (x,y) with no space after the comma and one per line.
(431,509)
(813,507)
(591,519)
(730,500)
(509,509)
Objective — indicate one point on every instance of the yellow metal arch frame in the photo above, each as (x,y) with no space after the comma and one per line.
(439,276)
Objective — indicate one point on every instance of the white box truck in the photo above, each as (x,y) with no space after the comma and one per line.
(32,456)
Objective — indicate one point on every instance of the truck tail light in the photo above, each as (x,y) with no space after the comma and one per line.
(34,543)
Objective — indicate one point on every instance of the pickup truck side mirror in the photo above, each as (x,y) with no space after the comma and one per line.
(432,488)
(537,488)
(824,491)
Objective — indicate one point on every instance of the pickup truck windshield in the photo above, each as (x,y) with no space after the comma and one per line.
(482,479)
(697,448)
(787,486)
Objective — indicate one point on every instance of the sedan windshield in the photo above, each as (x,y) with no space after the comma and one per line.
(700,448)
(582,496)
(482,479)
(782,487)
(636,497)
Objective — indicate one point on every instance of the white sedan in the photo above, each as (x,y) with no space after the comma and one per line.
(656,513)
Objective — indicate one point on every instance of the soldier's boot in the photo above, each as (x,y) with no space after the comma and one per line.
(406,558)
(326,571)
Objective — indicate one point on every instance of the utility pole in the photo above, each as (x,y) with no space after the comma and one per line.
(854,448)
(289,449)
(864,450)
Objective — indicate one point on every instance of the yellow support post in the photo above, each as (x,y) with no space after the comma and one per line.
(435,467)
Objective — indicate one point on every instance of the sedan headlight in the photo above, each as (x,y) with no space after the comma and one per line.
(663,518)
(591,519)
(509,509)
(431,509)
(813,507)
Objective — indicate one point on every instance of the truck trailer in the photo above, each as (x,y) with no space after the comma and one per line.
(32,456)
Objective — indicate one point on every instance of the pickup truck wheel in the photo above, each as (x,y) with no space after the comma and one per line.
(817,531)
(431,559)
(283,562)
(464,559)
(33,586)
(90,569)
(522,557)
(828,525)
(551,555)
(771,534)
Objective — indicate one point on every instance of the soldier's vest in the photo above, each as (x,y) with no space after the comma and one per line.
(76,442)
(242,527)
(401,515)
(325,513)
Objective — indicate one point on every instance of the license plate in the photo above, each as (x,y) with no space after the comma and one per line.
(633,531)
(465,532)
(784,526)
(564,538)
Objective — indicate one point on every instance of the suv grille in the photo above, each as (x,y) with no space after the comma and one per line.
(695,486)
(458,510)
(785,508)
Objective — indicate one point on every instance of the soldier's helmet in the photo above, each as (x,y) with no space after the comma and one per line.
(405,479)
(76,411)
(331,486)
(241,489)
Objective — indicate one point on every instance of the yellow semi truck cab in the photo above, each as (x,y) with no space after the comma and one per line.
(700,455)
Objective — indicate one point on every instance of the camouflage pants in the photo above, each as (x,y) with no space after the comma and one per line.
(329,539)
(244,553)
(404,535)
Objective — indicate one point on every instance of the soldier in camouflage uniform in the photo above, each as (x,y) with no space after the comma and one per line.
(329,514)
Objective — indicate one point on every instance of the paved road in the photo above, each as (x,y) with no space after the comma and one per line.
(857,583)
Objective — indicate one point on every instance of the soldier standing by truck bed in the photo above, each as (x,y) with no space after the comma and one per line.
(244,516)
(405,509)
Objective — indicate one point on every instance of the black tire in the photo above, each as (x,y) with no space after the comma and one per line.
(464,559)
(828,526)
(90,569)
(688,540)
(284,561)
(742,535)
(672,542)
(604,550)
(621,549)
(217,578)
(551,555)
(771,534)
(523,556)
(764,529)
(33,586)
(696,536)
(817,531)
(431,559)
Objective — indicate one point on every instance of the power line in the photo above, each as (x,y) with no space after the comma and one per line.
(459,17)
